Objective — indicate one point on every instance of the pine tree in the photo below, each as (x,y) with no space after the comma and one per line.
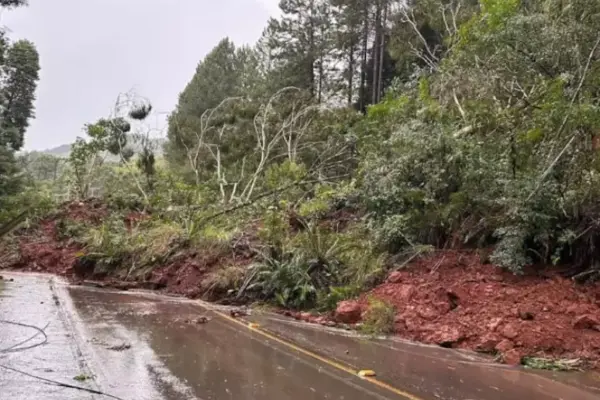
(226,72)
(301,45)
(21,73)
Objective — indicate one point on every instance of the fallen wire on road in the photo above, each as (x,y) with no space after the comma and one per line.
(15,347)
(60,384)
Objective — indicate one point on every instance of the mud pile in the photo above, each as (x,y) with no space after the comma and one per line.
(187,272)
(39,249)
(453,300)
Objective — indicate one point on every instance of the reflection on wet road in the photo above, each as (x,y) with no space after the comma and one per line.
(139,346)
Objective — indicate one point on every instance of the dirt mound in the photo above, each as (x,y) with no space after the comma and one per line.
(454,300)
(91,210)
(42,249)
(39,249)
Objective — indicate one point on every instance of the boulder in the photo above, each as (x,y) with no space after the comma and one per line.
(512,357)
(526,314)
(504,346)
(510,331)
(494,323)
(488,343)
(305,316)
(348,312)
(445,336)
(406,292)
(427,313)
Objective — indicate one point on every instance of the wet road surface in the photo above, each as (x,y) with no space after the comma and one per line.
(141,346)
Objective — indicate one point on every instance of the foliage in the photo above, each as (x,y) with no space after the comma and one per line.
(553,365)
(19,73)
(378,319)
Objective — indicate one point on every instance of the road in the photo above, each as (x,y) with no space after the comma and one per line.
(143,346)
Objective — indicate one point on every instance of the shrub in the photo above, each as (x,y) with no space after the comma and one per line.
(378,318)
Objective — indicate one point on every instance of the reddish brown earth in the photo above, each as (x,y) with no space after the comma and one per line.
(41,250)
(452,299)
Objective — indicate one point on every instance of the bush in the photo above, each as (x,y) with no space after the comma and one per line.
(379,317)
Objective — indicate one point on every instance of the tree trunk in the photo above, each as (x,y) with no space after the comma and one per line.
(376,54)
(381,54)
(364,50)
(350,72)
(311,51)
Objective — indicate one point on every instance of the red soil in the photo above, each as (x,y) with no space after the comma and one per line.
(452,299)
(41,250)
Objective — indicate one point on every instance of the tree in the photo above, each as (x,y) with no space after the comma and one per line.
(12,3)
(301,44)
(19,69)
(223,73)
(19,81)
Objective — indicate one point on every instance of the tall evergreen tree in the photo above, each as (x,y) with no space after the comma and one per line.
(21,73)
(224,73)
(301,45)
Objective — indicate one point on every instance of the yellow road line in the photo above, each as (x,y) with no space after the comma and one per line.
(325,360)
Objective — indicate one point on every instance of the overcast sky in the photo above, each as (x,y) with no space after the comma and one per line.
(92,50)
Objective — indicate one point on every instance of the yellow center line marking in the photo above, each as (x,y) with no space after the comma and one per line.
(332,363)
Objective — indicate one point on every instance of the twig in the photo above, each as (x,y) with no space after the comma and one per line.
(15,347)
(60,384)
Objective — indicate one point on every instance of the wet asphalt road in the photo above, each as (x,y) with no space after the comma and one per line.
(141,346)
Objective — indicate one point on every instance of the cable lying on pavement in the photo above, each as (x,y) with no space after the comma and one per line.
(15,347)
(60,384)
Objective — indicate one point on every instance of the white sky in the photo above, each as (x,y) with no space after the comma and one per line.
(92,50)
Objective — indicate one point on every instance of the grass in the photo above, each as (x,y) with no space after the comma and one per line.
(82,377)
(550,364)
(379,318)
(224,279)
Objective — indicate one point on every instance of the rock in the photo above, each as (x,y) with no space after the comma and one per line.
(510,331)
(1,278)
(201,320)
(512,357)
(305,316)
(488,343)
(443,307)
(395,277)
(587,321)
(348,312)
(576,309)
(405,292)
(457,294)
(494,323)
(427,313)
(238,312)
(504,346)
(526,315)
(446,336)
